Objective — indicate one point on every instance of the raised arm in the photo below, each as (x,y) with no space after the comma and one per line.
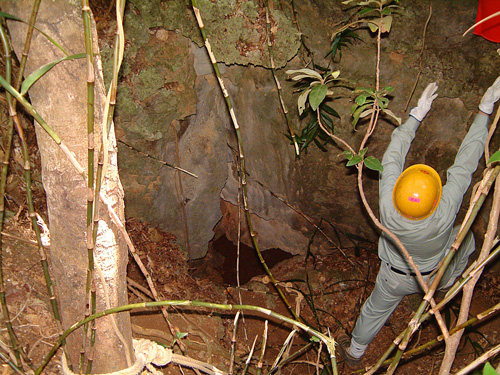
(459,175)
(395,155)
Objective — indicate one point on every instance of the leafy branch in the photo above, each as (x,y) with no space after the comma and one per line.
(315,88)
(370,100)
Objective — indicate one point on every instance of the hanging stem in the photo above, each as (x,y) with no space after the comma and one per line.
(263,348)
(329,342)
(489,237)
(90,297)
(103,161)
(240,154)
(5,165)
(369,132)
(459,285)
(29,108)
(470,217)
(276,80)
(471,322)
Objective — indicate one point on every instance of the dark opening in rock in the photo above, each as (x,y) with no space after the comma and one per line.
(250,265)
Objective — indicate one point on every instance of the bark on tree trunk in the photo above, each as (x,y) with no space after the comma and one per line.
(61,98)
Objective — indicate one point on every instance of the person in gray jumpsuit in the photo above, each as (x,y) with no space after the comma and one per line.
(428,239)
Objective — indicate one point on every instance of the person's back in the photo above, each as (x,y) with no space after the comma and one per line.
(428,236)
(427,239)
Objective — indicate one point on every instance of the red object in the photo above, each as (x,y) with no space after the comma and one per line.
(490,29)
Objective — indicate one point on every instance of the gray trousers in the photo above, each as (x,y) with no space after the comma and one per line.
(391,287)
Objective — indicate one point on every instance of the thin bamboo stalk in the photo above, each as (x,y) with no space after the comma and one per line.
(12,365)
(473,211)
(468,291)
(31,110)
(260,364)
(103,160)
(451,293)
(177,168)
(247,362)
(90,300)
(241,154)
(233,343)
(14,121)
(116,220)
(383,361)
(329,342)
(285,347)
(5,310)
(479,361)
(276,80)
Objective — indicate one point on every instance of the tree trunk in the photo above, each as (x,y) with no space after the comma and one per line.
(61,99)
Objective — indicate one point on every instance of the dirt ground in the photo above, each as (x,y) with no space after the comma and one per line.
(326,290)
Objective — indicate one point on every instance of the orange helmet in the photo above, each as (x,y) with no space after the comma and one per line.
(417,192)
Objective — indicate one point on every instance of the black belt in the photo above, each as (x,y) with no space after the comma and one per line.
(411,273)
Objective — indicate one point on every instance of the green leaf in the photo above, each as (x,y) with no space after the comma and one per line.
(335,74)
(386,24)
(335,46)
(388,88)
(357,114)
(301,102)
(180,335)
(373,26)
(329,110)
(348,154)
(317,95)
(361,99)
(386,11)
(362,153)
(489,370)
(495,157)
(311,135)
(10,16)
(477,347)
(383,102)
(320,146)
(367,90)
(37,74)
(374,164)
(356,159)
(313,122)
(390,113)
(365,11)
(353,108)
(308,72)
(302,76)
(366,113)
(327,121)
(314,339)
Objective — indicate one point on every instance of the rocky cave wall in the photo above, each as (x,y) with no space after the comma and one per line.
(170,107)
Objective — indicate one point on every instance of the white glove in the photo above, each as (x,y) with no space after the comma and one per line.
(490,97)
(425,102)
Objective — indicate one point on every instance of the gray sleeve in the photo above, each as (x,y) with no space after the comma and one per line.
(459,175)
(394,158)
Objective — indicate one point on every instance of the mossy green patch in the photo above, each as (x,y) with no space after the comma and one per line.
(236,29)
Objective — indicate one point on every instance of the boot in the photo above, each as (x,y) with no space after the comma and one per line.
(344,342)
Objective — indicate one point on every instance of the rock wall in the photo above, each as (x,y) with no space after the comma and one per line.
(170,107)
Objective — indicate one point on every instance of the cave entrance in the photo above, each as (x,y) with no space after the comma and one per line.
(225,255)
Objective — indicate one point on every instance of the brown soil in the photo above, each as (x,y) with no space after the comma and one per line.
(327,290)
